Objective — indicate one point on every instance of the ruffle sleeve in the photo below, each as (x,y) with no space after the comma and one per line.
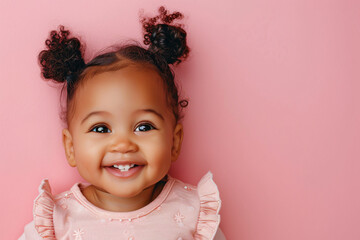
(43,211)
(210,203)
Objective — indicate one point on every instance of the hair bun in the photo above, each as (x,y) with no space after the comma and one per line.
(62,61)
(167,40)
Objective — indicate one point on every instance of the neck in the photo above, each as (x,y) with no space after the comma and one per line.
(113,203)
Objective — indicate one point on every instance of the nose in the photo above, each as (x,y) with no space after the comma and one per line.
(123,144)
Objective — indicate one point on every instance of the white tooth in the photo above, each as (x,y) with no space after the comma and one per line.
(124,168)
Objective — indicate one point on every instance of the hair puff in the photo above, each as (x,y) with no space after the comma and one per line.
(165,39)
(63,60)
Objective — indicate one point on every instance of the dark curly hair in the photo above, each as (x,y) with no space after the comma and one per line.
(63,61)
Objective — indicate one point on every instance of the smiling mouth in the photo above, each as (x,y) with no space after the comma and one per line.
(124,168)
(124,171)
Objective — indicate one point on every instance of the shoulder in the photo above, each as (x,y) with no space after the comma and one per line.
(44,210)
(210,203)
(207,198)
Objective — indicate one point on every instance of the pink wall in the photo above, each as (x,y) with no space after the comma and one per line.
(274,109)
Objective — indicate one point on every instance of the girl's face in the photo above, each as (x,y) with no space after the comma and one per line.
(122,118)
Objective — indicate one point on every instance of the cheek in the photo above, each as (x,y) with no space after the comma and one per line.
(88,162)
(87,151)
(157,148)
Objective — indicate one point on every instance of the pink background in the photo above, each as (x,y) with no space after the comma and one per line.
(274,108)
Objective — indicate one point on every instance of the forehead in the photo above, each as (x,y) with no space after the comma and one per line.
(125,90)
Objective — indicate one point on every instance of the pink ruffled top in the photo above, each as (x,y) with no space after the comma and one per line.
(181,211)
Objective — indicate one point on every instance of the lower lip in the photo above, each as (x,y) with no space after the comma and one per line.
(125,174)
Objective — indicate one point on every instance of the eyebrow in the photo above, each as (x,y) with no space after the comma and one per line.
(151,111)
(93,113)
(140,110)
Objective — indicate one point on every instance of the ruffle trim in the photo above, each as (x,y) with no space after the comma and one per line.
(210,203)
(43,211)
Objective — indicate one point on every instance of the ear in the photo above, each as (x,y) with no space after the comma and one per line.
(69,147)
(177,141)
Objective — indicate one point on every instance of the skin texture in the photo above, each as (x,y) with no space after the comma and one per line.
(123,133)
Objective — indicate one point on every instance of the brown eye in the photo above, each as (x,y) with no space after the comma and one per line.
(100,129)
(144,127)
